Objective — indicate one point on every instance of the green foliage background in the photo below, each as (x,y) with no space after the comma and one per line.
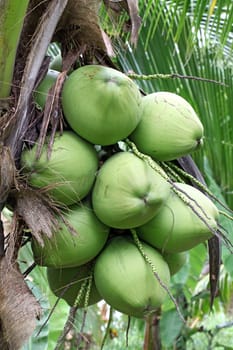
(189,38)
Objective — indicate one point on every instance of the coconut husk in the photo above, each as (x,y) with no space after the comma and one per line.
(38,213)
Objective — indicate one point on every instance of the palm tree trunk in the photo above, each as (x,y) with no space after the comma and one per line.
(152,337)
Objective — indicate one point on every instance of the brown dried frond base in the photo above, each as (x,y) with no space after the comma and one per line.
(39,213)
(18,307)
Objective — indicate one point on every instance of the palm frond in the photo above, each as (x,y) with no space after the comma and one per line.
(158,52)
(213,20)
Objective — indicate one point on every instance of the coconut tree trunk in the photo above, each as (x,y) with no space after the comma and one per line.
(18,306)
(152,336)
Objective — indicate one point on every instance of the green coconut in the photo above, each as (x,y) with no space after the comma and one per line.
(175,261)
(75,242)
(177,227)
(169,127)
(126,282)
(42,90)
(101,104)
(69,173)
(128,192)
(66,284)
(56,63)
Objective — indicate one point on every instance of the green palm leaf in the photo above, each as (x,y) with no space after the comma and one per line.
(184,39)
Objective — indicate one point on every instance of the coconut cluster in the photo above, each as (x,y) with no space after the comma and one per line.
(107,199)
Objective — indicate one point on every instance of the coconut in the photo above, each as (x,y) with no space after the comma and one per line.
(41,93)
(56,63)
(126,281)
(78,240)
(178,227)
(169,127)
(101,104)
(66,284)
(70,171)
(128,192)
(175,261)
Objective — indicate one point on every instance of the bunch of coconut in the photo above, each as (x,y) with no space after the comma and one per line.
(126,225)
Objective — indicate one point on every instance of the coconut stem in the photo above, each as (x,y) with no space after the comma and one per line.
(226,215)
(88,291)
(188,201)
(199,185)
(178,191)
(82,327)
(149,262)
(216,232)
(148,160)
(190,178)
(181,194)
(127,331)
(81,292)
(186,198)
(68,326)
(171,76)
(84,291)
(107,328)
(166,166)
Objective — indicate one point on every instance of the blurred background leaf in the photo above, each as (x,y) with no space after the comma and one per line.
(37,280)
